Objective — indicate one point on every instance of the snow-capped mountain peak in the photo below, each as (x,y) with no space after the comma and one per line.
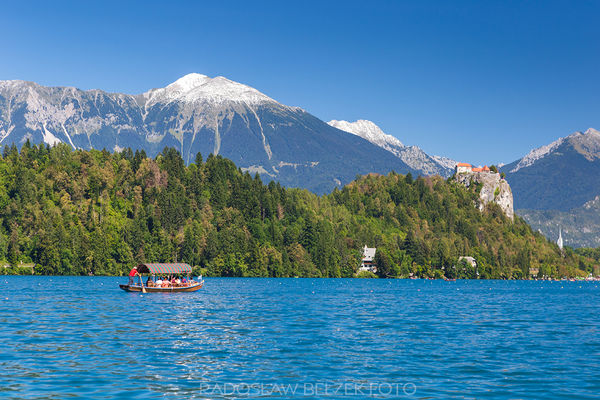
(413,156)
(189,82)
(367,130)
(194,87)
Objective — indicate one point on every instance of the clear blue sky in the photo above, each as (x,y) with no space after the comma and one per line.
(479,81)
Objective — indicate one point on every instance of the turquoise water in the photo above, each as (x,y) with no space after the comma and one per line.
(64,337)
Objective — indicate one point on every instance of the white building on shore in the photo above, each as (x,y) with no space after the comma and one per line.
(368,258)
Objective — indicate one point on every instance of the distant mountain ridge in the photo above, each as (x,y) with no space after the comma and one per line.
(413,156)
(559,176)
(557,186)
(195,114)
(580,226)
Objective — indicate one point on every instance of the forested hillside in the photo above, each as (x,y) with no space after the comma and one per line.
(93,212)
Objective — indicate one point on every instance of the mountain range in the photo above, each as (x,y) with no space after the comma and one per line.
(556,186)
(559,176)
(197,113)
(553,185)
(412,156)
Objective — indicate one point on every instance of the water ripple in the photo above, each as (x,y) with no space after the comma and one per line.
(83,337)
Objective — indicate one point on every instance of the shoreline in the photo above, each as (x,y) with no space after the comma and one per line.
(597,279)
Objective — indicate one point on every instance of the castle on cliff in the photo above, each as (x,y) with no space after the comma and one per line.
(494,188)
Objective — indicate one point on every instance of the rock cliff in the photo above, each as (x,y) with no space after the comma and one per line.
(493,189)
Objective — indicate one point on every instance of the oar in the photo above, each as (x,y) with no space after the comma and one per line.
(142,283)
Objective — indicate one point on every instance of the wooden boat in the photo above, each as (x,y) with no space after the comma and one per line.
(163,269)
(169,289)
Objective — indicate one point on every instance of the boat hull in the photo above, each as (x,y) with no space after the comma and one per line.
(176,289)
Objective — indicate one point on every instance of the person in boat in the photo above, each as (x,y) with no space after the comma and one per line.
(149,282)
(132,274)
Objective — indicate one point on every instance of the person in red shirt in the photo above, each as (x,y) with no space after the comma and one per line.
(132,274)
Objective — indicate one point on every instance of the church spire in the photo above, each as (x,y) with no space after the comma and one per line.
(559,242)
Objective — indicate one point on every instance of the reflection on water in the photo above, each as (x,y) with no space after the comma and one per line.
(243,338)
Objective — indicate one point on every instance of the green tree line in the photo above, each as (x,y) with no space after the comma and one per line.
(95,212)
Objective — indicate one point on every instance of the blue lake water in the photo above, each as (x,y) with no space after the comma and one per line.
(63,337)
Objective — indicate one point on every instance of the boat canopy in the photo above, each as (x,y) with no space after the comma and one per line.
(164,268)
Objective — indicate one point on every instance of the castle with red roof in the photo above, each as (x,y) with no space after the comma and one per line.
(466,168)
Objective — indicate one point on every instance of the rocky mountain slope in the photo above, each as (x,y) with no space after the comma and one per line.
(413,156)
(562,175)
(195,114)
(557,186)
